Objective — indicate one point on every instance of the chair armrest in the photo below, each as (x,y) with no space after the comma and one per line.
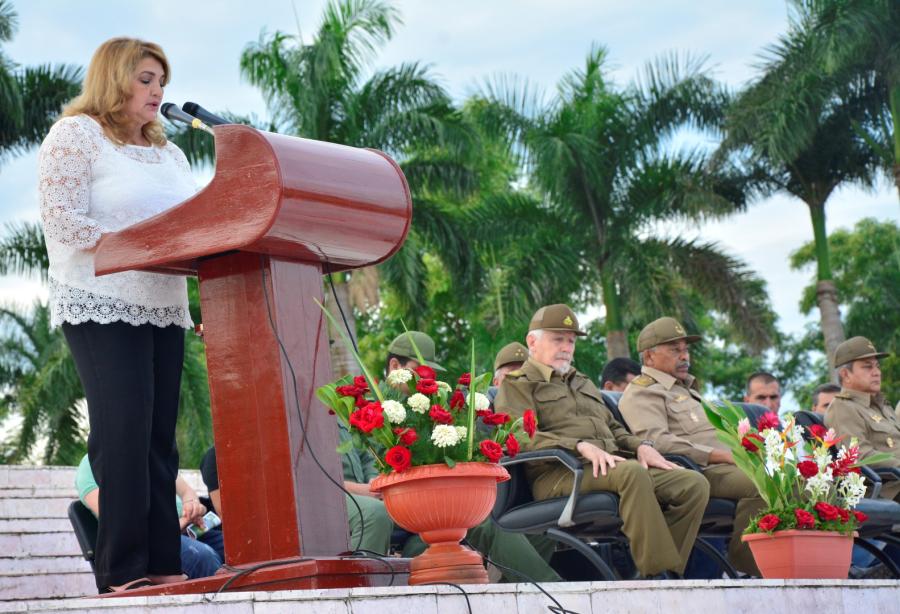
(570,461)
(870,474)
(684,461)
(887,474)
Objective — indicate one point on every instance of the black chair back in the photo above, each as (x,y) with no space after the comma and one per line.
(512,493)
(85,526)
(754,412)
(612,402)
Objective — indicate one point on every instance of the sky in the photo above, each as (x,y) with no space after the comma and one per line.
(464,42)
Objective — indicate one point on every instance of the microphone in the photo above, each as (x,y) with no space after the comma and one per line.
(171,112)
(208,118)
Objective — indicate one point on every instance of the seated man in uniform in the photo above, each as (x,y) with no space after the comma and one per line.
(513,550)
(859,410)
(661,505)
(663,405)
(763,389)
(510,357)
(618,373)
(822,397)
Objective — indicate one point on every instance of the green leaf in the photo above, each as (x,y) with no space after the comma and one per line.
(450,462)
(345,446)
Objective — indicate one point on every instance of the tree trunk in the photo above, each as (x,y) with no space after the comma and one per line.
(895,118)
(342,360)
(830,315)
(826,292)
(616,339)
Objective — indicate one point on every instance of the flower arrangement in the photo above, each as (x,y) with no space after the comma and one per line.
(807,482)
(415,419)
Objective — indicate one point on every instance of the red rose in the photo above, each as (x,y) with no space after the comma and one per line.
(512,446)
(844,514)
(826,511)
(817,430)
(481,413)
(491,450)
(346,391)
(399,458)
(368,418)
(457,400)
(529,422)
(496,419)
(465,379)
(750,442)
(425,372)
(805,520)
(362,386)
(768,522)
(440,415)
(361,401)
(807,468)
(860,517)
(408,436)
(769,420)
(427,386)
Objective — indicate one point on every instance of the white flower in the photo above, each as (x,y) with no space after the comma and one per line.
(418,403)
(394,411)
(820,484)
(462,431)
(445,435)
(481,402)
(399,376)
(444,386)
(852,488)
(822,457)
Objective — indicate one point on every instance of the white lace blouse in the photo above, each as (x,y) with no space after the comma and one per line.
(89,185)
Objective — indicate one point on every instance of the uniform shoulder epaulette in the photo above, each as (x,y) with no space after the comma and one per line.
(516,373)
(643,380)
(843,395)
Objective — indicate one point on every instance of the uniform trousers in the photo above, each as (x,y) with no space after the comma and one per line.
(729,482)
(661,510)
(374,525)
(131,377)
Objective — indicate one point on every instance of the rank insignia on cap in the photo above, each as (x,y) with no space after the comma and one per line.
(876,418)
(568,321)
(679,329)
(890,442)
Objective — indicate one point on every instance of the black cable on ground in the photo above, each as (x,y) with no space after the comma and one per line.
(557,608)
(457,587)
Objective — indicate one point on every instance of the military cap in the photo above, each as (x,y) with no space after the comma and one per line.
(511,352)
(555,317)
(855,348)
(663,330)
(403,346)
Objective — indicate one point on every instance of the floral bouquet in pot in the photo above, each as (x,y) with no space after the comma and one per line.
(414,419)
(808,481)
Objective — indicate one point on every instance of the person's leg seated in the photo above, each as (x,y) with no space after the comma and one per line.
(198,560)
(215,539)
(683,496)
(512,550)
(373,527)
(729,482)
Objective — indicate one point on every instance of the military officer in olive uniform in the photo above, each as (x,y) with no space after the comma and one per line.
(859,410)
(510,357)
(663,405)
(661,505)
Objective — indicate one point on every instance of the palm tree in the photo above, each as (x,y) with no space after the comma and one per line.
(41,389)
(597,153)
(808,159)
(318,90)
(860,39)
(30,97)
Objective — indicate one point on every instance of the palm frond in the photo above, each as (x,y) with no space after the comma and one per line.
(23,250)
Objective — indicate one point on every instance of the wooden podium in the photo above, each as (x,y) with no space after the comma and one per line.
(278,212)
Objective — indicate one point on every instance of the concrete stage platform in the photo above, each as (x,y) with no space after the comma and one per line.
(658,597)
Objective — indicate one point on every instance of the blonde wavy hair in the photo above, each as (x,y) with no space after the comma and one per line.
(107,87)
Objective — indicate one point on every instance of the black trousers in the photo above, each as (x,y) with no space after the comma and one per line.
(132,377)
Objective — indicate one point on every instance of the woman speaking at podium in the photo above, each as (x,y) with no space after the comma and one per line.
(103,166)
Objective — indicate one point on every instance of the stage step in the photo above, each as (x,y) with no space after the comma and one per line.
(39,554)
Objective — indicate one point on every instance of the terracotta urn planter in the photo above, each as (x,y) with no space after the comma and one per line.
(441,504)
(801,554)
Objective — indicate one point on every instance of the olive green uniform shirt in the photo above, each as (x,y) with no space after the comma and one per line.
(657,406)
(569,409)
(868,418)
